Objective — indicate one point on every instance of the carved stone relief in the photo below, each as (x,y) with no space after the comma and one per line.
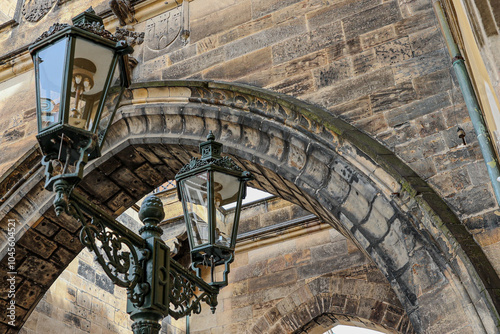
(34,10)
(167,30)
(163,29)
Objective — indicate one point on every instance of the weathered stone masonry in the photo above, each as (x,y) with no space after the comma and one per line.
(316,278)
(379,65)
(380,233)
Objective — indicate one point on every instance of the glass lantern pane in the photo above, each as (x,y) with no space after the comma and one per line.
(226,190)
(194,194)
(91,66)
(50,62)
(110,103)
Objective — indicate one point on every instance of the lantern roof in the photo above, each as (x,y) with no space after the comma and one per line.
(87,17)
(211,159)
(83,24)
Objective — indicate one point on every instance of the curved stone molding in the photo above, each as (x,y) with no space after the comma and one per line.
(411,234)
(303,154)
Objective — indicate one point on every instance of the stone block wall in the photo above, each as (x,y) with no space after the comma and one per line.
(380,65)
(82,300)
(305,278)
(17,126)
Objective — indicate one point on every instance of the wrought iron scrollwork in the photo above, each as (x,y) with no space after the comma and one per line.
(124,257)
(121,259)
(187,292)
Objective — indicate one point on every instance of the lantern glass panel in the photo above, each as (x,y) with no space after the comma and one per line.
(226,191)
(50,62)
(110,103)
(90,70)
(195,201)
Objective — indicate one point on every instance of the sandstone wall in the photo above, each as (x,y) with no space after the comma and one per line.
(379,64)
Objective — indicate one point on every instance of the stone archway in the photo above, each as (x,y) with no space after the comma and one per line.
(296,151)
(329,300)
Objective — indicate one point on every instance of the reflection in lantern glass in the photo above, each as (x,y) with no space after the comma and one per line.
(88,80)
(195,199)
(226,188)
(50,64)
(83,81)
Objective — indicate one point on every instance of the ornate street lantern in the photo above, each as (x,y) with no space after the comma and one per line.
(81,72)
(211,190)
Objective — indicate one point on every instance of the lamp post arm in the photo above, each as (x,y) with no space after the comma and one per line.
(120,252)
(156,284)
(93,210)
(184,299)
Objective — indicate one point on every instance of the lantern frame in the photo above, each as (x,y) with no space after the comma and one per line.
(211,161)
(61,141)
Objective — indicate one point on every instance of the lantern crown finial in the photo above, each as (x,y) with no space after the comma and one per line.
(210,149)
(210,136)
(87,17)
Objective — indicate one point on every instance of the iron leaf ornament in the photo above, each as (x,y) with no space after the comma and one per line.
(225,162)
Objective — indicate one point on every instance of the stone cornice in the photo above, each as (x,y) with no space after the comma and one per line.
(15,64)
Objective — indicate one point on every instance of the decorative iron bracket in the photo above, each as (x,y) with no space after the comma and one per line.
(120,252)
(184,297)
(156,284)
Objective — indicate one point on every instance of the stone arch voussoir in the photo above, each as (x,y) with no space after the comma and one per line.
(329,300)
(297,151)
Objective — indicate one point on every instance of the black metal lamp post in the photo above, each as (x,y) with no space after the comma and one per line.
(81,72)
(156,284)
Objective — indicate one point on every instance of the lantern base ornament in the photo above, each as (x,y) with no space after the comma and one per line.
(62,188)
(65,171)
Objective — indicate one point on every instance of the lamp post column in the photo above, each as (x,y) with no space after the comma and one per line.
(147,317)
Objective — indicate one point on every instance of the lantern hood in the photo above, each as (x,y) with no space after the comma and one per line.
(88,24)
(211,157)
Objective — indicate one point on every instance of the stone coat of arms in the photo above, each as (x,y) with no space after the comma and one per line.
(164,29)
